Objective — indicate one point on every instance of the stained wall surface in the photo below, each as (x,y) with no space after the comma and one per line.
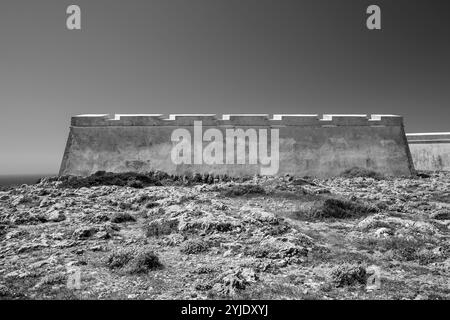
(430,151)
(308,145)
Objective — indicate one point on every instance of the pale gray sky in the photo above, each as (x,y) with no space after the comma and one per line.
(214,56)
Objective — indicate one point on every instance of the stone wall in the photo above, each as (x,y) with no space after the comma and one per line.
(430,151)
(306,145)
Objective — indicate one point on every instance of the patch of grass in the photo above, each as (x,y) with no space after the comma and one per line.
(144,261)
(203,286)
(133,260)
(361,172)
(151,204)
(102,178)
(276,291)
(135,183)
(426,257)
(338,256)
(334,208)
(161,227)
(141,180)
(271,252)
(441,215)
(54,278)
(194,246)
(242,190)
(119,258)
(3,229)
(302,182)
(441,197)
(348,274)
(423,175)
(402,249)
(120,217)
(205,270)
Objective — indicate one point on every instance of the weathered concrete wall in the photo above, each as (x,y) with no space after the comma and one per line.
(430,151)
(308,144)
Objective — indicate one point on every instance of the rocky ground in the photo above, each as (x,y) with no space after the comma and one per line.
(109,237)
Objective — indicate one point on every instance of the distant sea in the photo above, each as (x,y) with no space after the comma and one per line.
(19,179)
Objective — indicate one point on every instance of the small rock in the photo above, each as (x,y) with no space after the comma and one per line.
(84,232)
(55,216)
(57,236)
(96,248)
(103,235)
(46,202)
(438,251)
(282,263)
(31,247)
(383,232)
(228,253)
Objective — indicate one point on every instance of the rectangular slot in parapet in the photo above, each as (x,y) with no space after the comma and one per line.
(189,119)
(89,120)
(385,120)
(117,120)
(245,119)
(136,120)
(344,120)
(295,119)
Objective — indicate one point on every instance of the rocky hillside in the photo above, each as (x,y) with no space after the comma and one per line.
(154,236)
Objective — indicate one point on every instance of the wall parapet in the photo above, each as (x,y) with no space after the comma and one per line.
(105,120)
(430,137)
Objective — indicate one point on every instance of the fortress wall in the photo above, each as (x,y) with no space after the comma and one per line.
(309,145)
(430,151)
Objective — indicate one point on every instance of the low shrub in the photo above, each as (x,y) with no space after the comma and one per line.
(347,274)
(120,217)
(133,260)
(335,208)
(241,190)
(161,227)
(194,246)
(401,248)
(361,172)
(141,180)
